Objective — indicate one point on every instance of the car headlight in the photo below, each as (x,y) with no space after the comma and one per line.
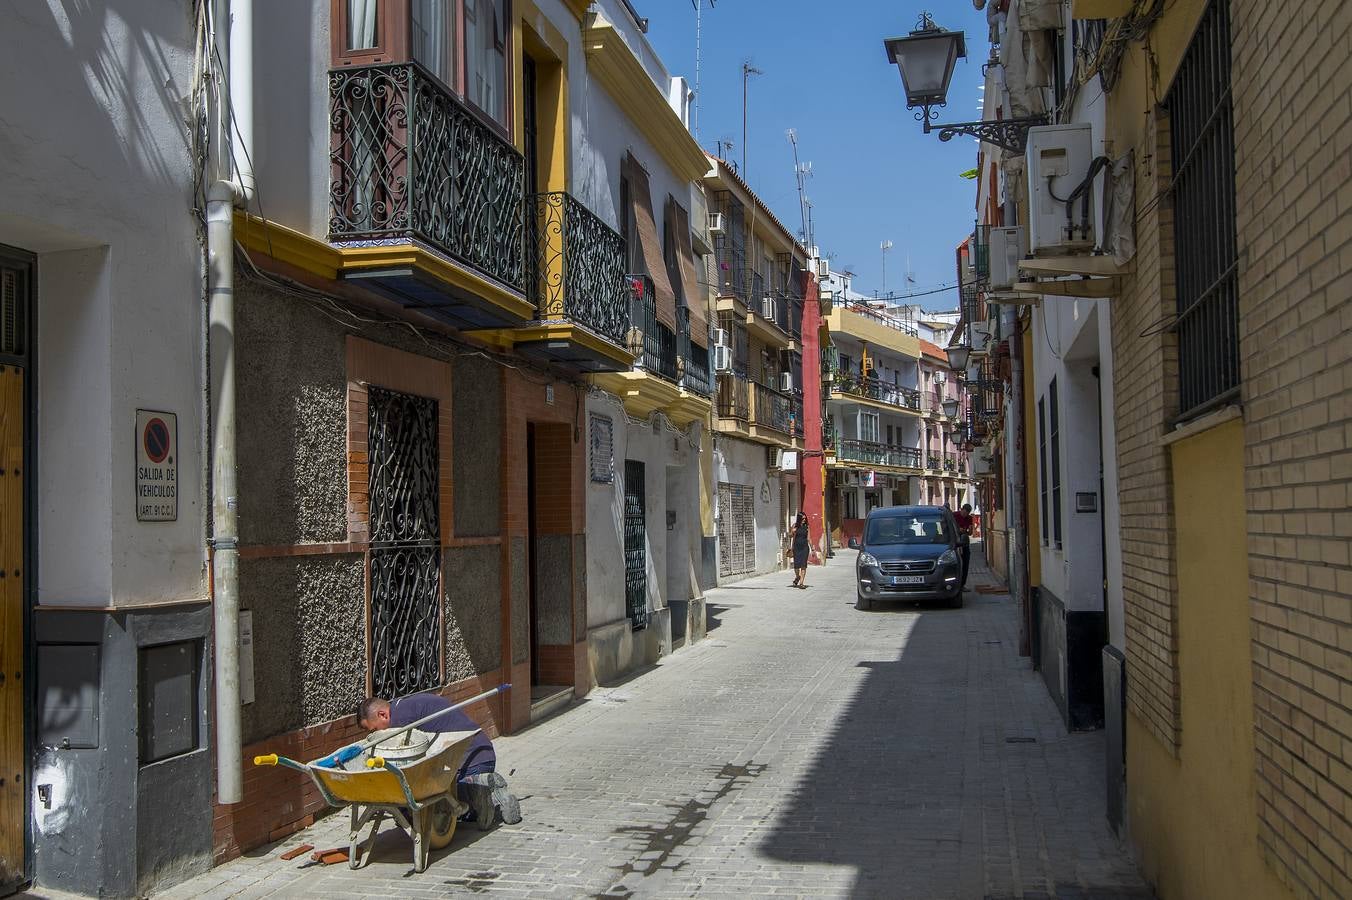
(867,559)
(948,558)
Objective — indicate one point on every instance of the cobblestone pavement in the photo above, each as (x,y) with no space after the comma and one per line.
(804,748)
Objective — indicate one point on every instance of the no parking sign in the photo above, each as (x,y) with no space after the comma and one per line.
(156,466)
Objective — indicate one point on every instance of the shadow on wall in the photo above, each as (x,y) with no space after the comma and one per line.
(886,794)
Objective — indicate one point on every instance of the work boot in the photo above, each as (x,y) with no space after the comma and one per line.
(487,795)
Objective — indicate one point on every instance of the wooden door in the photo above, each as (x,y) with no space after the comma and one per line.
(13,790)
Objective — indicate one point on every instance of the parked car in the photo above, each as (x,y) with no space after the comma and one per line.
(909,553)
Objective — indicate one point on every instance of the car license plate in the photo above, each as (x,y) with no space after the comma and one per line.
(908,579)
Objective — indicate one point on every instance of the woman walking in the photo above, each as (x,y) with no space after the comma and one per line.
(800,552)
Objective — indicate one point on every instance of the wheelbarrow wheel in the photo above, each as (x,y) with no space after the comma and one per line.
(441,819)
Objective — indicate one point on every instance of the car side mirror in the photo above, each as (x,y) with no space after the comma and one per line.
(854,543)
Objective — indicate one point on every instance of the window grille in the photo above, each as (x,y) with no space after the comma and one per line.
(1206,261)
(1042,461)
(13,309)
(1055,437)
(602,432)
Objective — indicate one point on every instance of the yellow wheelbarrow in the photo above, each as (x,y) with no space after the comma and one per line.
(407,775)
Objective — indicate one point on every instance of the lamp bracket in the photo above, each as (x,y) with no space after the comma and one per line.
(1010,134)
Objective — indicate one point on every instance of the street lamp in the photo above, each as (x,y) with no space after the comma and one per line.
(951,408)
(957,357)
(926,58)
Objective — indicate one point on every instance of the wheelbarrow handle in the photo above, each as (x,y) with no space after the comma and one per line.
(274,759)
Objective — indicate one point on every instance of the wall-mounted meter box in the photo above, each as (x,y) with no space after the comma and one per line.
(1007,248)
(1058,162)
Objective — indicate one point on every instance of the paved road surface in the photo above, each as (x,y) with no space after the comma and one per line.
(805,748)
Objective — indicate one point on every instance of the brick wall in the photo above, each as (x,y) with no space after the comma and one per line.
(1293,131)
(1145,395)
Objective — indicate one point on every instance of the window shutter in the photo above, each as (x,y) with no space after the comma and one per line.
(649,242)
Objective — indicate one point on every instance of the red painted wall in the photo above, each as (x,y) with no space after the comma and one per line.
(814,473)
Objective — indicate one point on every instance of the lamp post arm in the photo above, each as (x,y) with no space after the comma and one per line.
(1010,134)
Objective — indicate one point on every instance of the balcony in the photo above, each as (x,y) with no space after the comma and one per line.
(763,319)
(872,453)
(425,198)
(696,376)
(875,391)
(981,252)
(577,283)
(775,411)
(652,343)
(734,397)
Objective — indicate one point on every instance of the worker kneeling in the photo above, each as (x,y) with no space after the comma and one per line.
(477,783)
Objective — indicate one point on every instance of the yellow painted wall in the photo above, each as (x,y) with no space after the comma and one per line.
(1193,819)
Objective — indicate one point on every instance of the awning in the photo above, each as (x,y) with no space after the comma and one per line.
(649,242)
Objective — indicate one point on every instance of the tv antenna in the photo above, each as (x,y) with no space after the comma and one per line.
(802,172)
(747,71)
(699,31)
(884,247)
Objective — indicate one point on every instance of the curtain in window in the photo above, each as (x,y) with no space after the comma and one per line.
(361,24)
(486,55)
(431,37)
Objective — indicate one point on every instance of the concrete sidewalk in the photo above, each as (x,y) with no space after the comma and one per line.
(805,748)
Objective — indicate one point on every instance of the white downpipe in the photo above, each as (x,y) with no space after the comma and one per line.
(233,183)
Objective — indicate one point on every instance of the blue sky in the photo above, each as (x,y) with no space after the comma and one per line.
(875,176)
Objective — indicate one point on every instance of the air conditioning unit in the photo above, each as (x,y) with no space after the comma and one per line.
(1058,162)
(716,225)
(722,358)
(1006,249)
(774,458)
(940,378)
(720,337)
(785,381)
(768,308)
(823,268)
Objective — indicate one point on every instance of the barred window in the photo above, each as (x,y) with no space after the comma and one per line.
(602,434)
(1206,280)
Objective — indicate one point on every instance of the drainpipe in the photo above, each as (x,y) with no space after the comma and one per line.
(231,185)
(1018,520)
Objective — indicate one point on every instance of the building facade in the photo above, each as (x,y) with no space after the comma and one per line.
(760,275)
(1172,420)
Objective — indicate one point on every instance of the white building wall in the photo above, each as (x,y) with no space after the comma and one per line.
(743,462)
(103,194)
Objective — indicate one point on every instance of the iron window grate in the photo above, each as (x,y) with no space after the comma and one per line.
(602,434)
(1205,242)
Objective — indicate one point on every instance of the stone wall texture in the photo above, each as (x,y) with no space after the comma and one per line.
(1293,134)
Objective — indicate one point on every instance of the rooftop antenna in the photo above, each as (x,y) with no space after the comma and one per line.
(802,172)
(747,71)
(884,246)
(699,31)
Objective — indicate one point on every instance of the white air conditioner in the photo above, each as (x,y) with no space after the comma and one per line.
(1058,162)
(1006,249)
(720,337)
(939,378)
(722,358)
(768,308)
(774,458)
(823,268)
(785,381)
(716,223)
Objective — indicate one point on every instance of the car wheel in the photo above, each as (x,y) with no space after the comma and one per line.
(862,602)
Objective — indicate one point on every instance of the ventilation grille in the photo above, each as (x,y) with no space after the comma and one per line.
(11,312)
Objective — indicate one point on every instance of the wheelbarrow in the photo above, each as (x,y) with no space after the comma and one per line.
(402,773)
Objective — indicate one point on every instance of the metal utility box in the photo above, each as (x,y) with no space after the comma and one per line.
(1006,250)
(1058,162)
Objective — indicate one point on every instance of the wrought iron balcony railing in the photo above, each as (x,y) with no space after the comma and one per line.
(981,251)
(652,343)
(734,397)
(877,454)
(876,389)
(578,267)
(903,323)
(950,462)
(408,161)
(693,359)
(934,461)
(796,414)
(771,409)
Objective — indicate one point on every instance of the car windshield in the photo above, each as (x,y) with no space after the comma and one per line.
(913,528)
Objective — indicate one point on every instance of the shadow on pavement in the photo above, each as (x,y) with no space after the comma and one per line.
(888,791)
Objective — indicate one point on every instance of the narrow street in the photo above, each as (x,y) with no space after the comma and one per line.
(804,748)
